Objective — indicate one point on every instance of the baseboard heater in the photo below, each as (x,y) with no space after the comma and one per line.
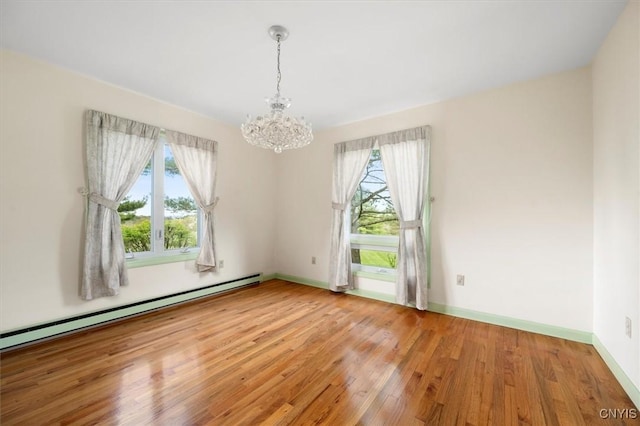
(33,334)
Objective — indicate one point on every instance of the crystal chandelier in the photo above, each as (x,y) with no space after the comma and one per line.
(275,130)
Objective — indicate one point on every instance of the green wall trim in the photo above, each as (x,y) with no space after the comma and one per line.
(159,260)
(264,278)
(67,327)
(549,330)
(624,380)
(300,280)
(535,327)
(320,284)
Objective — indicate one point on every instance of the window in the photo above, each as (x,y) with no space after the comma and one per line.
(159,216)
(374,223)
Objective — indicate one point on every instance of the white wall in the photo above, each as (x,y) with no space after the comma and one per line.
(41,212)
(616,130)
(512,178)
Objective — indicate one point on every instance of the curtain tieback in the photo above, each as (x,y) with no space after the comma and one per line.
(99,199)
(411,224)
(339,206)
(209,208)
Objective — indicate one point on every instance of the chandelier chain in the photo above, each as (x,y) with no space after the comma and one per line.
(279,73)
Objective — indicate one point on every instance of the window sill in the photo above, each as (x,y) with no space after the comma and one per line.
(159,260)
(380,276)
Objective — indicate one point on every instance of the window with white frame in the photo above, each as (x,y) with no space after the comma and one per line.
(159,216)
(374,223)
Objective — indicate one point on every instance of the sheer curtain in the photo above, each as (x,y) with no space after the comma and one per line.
(405,157)
(117,151)
(349,161)
(196,159)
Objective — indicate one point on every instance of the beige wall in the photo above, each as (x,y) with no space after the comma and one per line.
(42,165)
(616,130)
(512,178)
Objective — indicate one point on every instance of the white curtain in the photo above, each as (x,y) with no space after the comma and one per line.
(349,161)
(117,151)
(405,157)
(196,159)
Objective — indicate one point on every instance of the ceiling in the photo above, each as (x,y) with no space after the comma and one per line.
(344,60)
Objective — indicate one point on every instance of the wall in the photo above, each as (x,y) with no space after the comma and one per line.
(616,130)
(41,214)
(511,173)
(512,178)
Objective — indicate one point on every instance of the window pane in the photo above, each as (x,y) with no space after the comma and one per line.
(180,211)
(371,207)
(135,214)
(381,259)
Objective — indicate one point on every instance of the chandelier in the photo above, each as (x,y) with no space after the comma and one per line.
(276,130)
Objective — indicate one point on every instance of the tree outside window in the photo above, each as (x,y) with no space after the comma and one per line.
(372,213)
(176,222)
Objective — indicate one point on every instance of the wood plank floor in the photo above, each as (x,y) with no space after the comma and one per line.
(283,353)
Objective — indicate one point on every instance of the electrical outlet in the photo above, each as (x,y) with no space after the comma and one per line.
(627,327)
(460,280)
(313,260)
(220,264)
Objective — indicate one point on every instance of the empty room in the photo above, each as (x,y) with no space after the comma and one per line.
(320,212)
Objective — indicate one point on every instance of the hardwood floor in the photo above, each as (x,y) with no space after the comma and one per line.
(282,353)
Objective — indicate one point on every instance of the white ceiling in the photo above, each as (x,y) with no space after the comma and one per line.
(344,60)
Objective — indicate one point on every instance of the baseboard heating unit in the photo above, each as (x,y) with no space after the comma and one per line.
(32,334)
